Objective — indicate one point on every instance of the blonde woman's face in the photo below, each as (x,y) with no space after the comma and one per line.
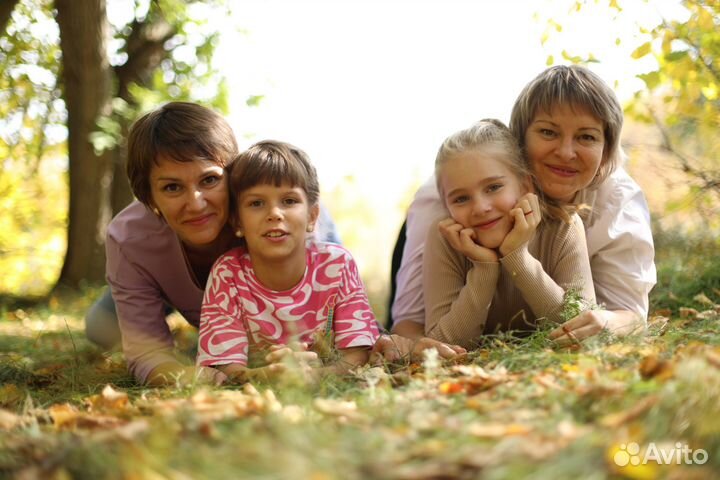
(479,191)
(565,150)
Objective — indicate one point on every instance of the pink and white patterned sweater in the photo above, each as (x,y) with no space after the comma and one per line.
(239,313)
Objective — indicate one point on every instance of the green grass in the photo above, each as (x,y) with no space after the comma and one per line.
(531,412)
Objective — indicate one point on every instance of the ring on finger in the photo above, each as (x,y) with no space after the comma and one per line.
(570,334)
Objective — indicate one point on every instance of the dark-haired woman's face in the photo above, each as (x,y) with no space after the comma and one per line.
(192,197)
(565,149)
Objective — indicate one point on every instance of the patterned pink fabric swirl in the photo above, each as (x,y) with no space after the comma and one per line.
(239,313)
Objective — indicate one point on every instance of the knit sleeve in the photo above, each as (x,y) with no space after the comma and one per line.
(567,266)
(457,293)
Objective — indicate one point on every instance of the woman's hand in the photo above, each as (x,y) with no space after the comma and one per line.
(591,322)
(526,216)
(463,240)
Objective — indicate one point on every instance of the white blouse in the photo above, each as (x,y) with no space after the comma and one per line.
(619,241)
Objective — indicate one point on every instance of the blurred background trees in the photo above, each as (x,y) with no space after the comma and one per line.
(682,99)
(73,76)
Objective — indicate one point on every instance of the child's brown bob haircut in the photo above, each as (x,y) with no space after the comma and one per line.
(271,162)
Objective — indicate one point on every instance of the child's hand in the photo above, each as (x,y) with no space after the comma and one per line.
(393,347)
(296,351)
(463,240)
(526,216)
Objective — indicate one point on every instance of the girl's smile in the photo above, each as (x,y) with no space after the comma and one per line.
(479,191)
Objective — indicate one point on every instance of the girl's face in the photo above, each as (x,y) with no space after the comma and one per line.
(565,149)
(479,191)
(192,197)
(274,221)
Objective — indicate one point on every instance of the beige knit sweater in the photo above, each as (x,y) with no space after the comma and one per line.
(465,300)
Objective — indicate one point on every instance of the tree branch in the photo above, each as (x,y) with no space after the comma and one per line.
(145,50)
(707,62)
(708,182)
(6,9)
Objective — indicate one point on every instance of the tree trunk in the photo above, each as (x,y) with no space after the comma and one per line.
(87,83)
(120,193)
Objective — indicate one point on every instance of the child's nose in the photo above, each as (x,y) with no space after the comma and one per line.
(480,205)
(275,213)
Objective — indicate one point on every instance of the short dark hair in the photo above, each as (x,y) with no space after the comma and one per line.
(182,131)
(272,162)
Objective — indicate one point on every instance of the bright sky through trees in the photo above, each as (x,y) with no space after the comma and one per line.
(370,89)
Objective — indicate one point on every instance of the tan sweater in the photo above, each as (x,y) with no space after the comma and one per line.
(465,300)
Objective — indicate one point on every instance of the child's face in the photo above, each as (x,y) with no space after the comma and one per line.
(479,191)
(274,221)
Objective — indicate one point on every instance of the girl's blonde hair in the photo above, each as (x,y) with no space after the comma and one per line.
(490,132)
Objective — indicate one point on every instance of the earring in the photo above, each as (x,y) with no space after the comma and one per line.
(156,211)
(238,233)
(310,228)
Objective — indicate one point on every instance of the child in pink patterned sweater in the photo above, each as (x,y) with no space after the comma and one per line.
(281,288)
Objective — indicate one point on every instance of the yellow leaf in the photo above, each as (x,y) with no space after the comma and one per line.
(544,38)
(550,60)
(497,430)
(705,20)
(63,414)
(109,399)
(10,395)
(641,51)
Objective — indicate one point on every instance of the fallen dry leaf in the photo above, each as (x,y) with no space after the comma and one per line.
(686,312)
(10,395)
(654,366)
(702,298)
(497,430)
(109,400)
(62,414)
(451,388)
(337,408)
(658,321)
(548,381)
(614,420)
(706,314)
(8,420)
(66,416)
(713,358)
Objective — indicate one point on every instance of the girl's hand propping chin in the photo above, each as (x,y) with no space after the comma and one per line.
(463,240)
(526,216)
